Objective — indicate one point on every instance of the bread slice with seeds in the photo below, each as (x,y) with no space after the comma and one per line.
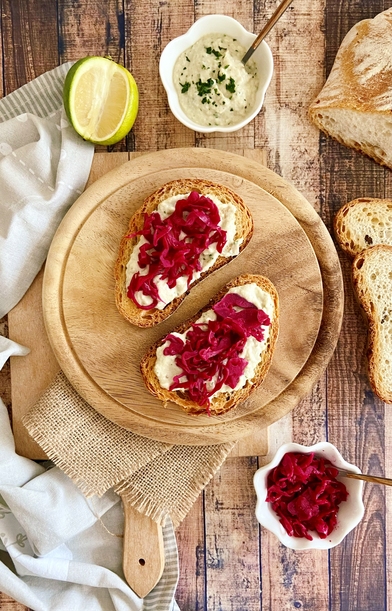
(224,401)
(372,279)
(362,223)
(243,232)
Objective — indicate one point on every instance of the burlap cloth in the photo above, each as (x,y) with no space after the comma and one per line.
(158,479)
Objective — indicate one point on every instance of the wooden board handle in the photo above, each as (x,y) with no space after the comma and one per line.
(143,555)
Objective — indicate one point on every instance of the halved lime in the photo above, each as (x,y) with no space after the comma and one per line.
(101,99)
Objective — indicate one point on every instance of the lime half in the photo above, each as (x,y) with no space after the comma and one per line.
(101,99)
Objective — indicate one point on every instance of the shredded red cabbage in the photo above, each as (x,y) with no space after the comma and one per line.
(305,494)
(211,351)
(174,245)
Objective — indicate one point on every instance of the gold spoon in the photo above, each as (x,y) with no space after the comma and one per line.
(268,26)
(367,478)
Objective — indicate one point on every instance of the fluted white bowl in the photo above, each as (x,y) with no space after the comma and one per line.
(214,24)
(350,511)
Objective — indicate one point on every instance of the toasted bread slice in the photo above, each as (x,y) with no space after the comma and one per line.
(244,231)
(354,105)
(372,279)
(222,402)
(362,223)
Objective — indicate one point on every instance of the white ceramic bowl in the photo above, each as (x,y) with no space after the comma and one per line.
(350,512)
(214,24)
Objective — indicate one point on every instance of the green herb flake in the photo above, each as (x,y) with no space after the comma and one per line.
(184,87)
(212,51)
(204,87)
(187,58)
(221,77)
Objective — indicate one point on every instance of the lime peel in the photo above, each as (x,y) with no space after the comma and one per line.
(101,100)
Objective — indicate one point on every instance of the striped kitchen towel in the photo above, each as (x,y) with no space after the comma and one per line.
(44,167)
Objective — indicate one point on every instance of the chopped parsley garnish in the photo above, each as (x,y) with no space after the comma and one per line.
(204,87)
(230,86)
(221,77)
(184,87)
(210,50)
(187,58)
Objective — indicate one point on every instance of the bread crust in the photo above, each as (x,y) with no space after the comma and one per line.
(376,306)
(362,223)
(224,401)
(244,230)
(359,89)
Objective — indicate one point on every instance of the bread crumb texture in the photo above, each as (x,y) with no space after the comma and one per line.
(372,279)
(354,106)
(362,223)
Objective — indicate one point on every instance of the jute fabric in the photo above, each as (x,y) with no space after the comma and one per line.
(158,479)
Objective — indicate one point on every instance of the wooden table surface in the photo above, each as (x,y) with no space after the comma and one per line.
(228,563)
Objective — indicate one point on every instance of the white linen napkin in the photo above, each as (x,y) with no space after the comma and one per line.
(58,550)
(44,166)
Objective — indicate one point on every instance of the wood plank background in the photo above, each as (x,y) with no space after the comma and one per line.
(227,562)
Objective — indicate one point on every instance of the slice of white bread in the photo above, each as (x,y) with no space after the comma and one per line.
(244,231)
(355,104)
(222,402)
(362,223)
(372,279)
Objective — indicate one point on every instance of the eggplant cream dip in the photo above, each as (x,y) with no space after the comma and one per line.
(213,85)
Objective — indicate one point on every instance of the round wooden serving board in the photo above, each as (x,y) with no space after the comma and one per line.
(100,352)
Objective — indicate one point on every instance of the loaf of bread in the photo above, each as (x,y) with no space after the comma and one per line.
(214,349)
(355,104)
(167,250)
(372,279)
(362,223)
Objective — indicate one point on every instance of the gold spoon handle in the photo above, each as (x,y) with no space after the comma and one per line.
(268,26)
(367,478)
